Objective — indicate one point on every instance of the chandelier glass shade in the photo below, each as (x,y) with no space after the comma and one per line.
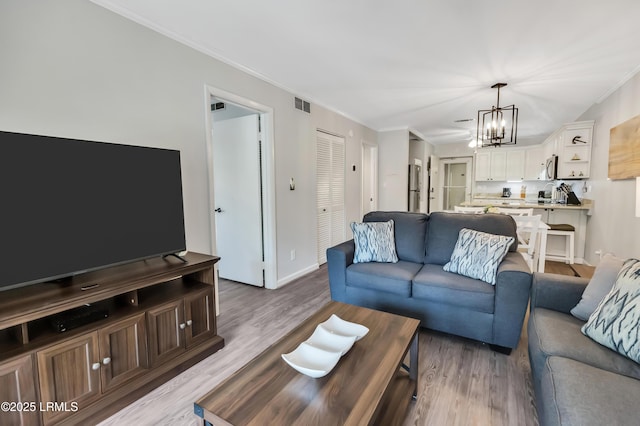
(499,125)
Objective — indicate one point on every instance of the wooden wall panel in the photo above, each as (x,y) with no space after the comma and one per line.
(624,150)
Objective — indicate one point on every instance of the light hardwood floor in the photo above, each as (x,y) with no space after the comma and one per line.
(461,382)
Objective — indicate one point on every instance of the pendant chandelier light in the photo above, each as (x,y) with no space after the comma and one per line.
(499,125)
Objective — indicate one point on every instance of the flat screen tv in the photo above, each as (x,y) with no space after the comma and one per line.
(71,206)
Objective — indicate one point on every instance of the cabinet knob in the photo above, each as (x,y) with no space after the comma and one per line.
(189,322)
(182,326)
(95,366)
(106,361)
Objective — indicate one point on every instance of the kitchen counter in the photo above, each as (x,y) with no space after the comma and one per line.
(550,213)
(527,204)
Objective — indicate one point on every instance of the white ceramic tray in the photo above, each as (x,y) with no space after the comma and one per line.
(331,339)
(311,361)
(337,325)
(325,340)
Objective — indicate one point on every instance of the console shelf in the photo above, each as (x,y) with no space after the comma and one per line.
(161,320)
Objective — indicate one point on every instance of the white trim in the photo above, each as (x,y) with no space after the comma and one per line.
(296,275)
(268,177)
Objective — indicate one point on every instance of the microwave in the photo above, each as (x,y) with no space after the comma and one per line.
(551,168)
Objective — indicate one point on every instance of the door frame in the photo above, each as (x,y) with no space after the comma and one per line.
(268,179)
(455,160)
(373,176)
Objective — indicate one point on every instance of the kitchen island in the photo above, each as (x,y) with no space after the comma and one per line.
(551,213)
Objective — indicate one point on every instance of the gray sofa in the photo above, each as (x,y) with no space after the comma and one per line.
(576,380)
(418,287)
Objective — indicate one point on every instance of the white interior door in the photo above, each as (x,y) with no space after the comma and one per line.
(456,181)
(238,204)
(369,178)
(434,179)
(330,175)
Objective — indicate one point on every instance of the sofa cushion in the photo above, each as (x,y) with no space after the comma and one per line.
(374,242)
(410,230)
(556,333)
(579,394)
(616,321)
(385,277)
(478,254)
(434,284)
(444,229)
(600,284)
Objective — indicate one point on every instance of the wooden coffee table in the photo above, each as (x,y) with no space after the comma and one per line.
(368,386)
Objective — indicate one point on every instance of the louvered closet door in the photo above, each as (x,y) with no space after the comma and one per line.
(330,192)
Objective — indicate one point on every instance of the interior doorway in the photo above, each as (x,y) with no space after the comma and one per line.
(369,178)
(242,197)
(456,181)
(237,183)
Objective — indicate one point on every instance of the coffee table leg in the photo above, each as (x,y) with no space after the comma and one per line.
(413,364)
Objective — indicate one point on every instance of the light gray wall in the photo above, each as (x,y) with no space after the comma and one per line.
(393,171)
(613,226)
(71,68)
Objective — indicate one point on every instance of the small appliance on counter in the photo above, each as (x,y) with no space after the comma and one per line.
(506,192)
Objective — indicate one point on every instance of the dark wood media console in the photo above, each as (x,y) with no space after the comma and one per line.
(161,321)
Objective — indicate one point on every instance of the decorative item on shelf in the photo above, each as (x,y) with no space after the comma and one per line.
(499,125)
(575,157)
(577,139)
(572,174)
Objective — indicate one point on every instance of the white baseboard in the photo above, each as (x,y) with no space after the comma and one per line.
(286,280)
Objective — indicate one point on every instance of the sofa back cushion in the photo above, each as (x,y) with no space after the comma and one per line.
(410,230)
(444,228)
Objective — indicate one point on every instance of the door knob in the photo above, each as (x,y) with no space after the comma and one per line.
(189,322)
(182,326)
(106,361)
(95,366)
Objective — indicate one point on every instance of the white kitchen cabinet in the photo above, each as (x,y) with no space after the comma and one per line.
(515,165)
(491,165)
(534,164)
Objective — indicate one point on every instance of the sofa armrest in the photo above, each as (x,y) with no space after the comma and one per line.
(338,259)
(558,292)
(513,286)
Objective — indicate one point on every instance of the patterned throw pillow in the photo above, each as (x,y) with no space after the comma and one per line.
(375,242)
(478,254)
(616,321)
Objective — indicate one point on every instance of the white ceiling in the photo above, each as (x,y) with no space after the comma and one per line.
(418,64)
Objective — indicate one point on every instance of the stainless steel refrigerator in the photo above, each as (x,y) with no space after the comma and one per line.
(415,180)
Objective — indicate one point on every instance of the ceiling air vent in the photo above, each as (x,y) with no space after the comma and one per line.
(216,106)
(302,105)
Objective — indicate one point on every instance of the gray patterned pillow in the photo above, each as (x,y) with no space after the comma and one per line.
(374,241)
(599,286)
(478,254)
(616,321)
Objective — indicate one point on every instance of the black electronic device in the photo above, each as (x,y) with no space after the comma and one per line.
(77,317)
(70,206)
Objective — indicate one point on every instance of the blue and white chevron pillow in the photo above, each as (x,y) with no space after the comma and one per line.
(478,254)
(616,321)
(374,241)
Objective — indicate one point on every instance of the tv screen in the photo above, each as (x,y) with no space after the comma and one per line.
(71,206)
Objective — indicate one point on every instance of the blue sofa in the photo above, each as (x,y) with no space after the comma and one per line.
(417,286)
(576,380)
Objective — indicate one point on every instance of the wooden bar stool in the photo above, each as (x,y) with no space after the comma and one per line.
(564,230)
